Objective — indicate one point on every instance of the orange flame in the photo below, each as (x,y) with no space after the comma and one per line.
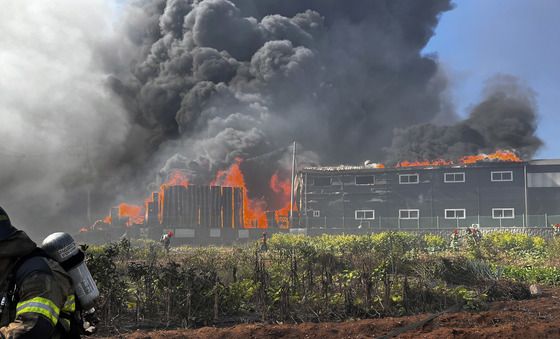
(282,188)
(505,156)
(134,213)
(253,209)
(177,178)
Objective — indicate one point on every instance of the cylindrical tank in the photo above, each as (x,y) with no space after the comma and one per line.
(62,248)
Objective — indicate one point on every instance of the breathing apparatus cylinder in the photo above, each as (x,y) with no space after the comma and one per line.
(62,248)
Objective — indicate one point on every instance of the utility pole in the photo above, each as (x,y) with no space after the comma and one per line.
(292,188)
(89,174)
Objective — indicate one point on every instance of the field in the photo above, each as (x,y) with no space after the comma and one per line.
(329,286)
(534,318)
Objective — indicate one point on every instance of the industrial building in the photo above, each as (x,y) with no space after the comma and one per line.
(522,196)
(487,193)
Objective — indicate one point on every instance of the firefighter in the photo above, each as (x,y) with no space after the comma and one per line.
(166,240)
(455,240)
(475,233)
(37,299)
(264,245)
(556,228)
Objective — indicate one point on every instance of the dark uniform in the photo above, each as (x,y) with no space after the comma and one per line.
(37,292)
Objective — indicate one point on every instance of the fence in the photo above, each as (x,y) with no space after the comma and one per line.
(543,221)
(532,225)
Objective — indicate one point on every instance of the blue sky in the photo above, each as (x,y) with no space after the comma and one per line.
(480,38)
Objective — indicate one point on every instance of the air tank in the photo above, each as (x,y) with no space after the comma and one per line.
(62,248)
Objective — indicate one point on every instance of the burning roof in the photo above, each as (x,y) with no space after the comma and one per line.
(471,160)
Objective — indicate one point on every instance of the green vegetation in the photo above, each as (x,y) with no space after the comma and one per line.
(315,278)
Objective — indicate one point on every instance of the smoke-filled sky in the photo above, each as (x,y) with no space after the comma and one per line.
(107,98)
(480,38)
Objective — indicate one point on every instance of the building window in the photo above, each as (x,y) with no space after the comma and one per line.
(502,176)
(454,177)
(322,181)
(409,214)
(549,179)
(364,214)
(316,214)
(455,214)
(503,213)
(365,180)
(408,178)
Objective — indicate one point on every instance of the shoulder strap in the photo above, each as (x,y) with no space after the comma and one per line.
(35,261)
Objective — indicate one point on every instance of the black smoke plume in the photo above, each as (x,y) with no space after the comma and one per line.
(505,119)
(224,79)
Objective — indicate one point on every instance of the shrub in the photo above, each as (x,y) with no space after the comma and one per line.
(303,278)
(434,243)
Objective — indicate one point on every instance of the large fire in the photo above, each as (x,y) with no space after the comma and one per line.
(283,191)
(134,213)
(254,209)
(507,156)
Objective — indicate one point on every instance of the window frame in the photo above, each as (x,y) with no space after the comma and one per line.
(356,180)
(455,210)
(453,181)
(408,211)
(494,210)
(409,175)
(364,212)
(501,174)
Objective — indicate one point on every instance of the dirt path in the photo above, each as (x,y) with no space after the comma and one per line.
(535,318)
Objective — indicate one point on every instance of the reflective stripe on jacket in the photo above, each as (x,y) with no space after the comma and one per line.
(43,299)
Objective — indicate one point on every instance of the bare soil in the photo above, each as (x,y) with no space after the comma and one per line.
(533,318)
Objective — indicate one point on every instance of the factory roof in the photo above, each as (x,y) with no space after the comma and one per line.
(380,168)
(544,162)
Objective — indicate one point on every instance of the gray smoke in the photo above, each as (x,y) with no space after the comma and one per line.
(226,79)
(505,119)
(62,131)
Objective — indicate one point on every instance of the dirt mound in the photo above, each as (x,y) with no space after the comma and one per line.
(534,318)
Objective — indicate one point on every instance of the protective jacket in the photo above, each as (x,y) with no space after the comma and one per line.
(40,297)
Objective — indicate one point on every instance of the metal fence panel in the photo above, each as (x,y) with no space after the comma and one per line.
(426,223)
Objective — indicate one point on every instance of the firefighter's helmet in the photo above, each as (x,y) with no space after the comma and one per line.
(6,228)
